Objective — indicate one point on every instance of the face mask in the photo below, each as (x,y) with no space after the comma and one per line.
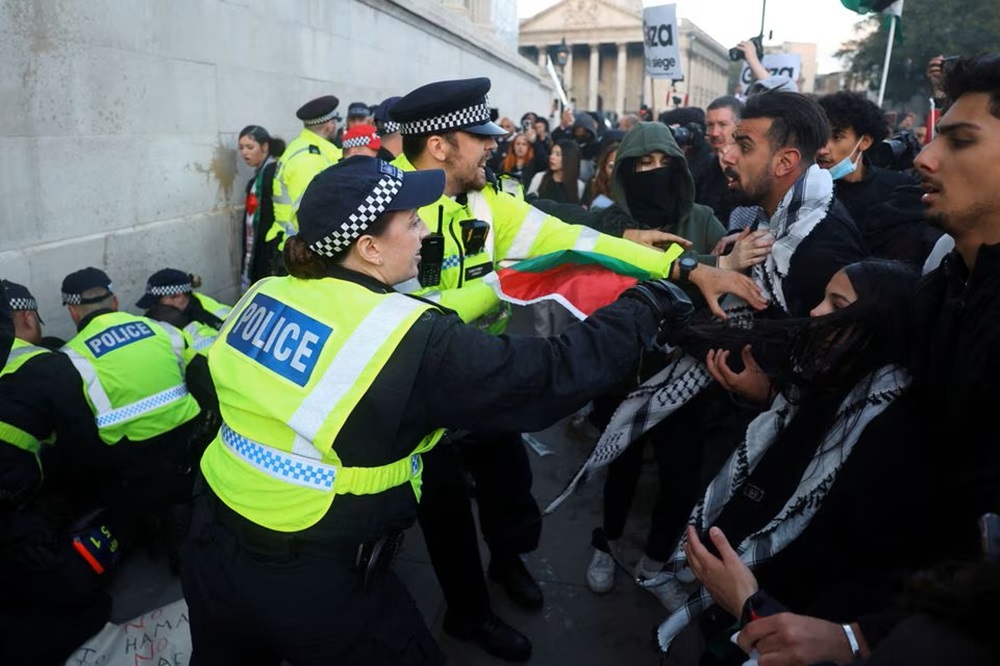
(647,194)
(846,166)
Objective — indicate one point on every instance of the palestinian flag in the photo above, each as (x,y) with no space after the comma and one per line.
(888,7)
(581,281)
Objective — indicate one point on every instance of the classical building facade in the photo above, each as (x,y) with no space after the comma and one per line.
(605,70)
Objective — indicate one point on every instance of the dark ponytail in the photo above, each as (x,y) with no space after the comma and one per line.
(275,145)
(303,263)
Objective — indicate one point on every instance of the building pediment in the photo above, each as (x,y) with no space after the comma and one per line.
(570,16)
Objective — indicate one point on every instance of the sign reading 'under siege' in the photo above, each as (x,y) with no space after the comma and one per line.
(662,50)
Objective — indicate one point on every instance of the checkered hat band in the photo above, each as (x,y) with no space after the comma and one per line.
(390,127)
(169,289)
(23,304)
(356,141)
(472,115)
(374,205)
(321,119)
(71,299)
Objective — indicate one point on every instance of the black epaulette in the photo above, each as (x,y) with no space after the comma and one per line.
(314,150)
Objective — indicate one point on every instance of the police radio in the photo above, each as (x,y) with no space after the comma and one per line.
(474,234)
(432,255)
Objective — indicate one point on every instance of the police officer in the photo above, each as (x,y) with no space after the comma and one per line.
(133,371)
(358,113)
(175,288)
(52,600)
(332,386)
(388,130)
(447,125)
(308,154)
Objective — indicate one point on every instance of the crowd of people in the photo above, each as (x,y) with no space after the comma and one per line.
(813,355)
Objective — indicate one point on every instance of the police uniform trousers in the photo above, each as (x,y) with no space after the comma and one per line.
(508,513)
(52,601)
(257,601)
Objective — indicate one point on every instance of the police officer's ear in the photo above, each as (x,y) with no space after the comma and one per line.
(367,249)
(439,147)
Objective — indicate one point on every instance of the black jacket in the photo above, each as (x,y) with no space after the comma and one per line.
(263,253)
(447,374)
(886,207)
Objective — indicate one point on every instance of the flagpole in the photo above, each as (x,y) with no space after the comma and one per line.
(888,57)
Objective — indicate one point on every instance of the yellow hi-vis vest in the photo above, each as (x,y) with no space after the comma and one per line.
(20,353)
(518,231)
(202,335)
(305,156)
(133,376)
(292,362)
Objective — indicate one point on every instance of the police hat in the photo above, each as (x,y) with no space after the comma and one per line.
(381,115)
(75,284)
(358,110)
(318,111)
(345,199)
(361,135)
(20,298)
(447,105)
(165,282)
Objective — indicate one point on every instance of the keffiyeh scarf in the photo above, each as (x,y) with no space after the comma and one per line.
(803,207)
(869,398)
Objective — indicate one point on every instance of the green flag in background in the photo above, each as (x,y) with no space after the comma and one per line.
(887,7)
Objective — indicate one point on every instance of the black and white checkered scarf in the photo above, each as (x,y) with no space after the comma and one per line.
(869,398)
(803,207)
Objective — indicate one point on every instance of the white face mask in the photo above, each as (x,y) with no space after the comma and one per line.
(846,166)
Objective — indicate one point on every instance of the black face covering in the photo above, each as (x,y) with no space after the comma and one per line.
(647,194)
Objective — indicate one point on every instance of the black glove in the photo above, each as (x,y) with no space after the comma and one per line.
(669,303)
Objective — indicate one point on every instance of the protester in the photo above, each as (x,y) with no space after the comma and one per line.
(600,195)
(884,204)
(260,151)
(521,162)
(561,182)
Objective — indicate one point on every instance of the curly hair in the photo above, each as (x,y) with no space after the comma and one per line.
(847,109)
(976,74)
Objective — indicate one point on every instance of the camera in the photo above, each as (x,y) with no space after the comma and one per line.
(525,124)
(736,53)
(896,153)
(688,135)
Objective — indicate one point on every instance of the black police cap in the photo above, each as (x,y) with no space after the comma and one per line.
(165,282)
(318,111)
(447,105)
(381,115)
(19,296)
(358,109)
(342,201)
(75,284)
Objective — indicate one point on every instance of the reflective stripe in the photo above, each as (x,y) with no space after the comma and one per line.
(587,240)
(198,341)
(141,407)
(482,210)
(18,352)
(278,464)
(300,471)
(287,227)
(19,438)
(345,368)
(530,227)
(95,391)
(408,287)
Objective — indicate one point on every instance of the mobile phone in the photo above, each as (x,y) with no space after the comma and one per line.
(431,259)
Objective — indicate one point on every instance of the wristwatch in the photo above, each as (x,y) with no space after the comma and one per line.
(686,264)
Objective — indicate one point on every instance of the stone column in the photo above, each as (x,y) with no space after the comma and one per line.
(542,50)
(595,63)
(620,80)
(568,74)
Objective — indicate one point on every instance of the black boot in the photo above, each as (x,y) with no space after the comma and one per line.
(511,574)
(491,634)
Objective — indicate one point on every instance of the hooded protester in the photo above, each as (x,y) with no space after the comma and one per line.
(652,189)
(585,132)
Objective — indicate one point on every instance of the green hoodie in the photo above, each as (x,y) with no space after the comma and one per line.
(687,219)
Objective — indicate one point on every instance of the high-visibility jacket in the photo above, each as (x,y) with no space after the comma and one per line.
(20,353)
(133,375)
(305,156)
(201,334)
(517,231)
(289,369)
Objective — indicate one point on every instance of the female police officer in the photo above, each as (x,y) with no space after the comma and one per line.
(331,385)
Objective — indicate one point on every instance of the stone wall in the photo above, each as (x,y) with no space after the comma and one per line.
(120,119)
